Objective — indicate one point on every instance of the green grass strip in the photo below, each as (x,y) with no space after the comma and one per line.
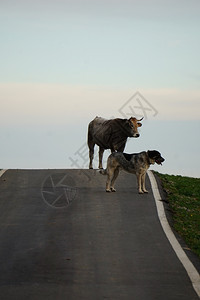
(183,194)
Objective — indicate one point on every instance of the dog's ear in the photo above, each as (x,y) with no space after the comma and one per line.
(153,153)
(150,153)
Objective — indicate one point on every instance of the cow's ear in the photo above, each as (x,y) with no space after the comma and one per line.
(139,124)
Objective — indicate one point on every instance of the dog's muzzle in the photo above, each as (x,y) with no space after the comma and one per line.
(160,160)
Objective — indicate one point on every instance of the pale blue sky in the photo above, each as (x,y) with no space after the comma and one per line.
(142,43)
(64,62)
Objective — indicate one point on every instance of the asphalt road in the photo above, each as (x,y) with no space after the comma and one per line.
(63,237)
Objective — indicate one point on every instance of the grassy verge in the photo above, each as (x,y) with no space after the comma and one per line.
(183,194)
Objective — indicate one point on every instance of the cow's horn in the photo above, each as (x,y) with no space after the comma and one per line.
(141,119)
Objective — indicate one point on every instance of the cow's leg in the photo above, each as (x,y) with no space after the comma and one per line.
(116,173)
(121,147)
(91,154)
(143,183)
(91,145)
(101,151)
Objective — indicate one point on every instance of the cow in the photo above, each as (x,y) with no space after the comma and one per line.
(110,134)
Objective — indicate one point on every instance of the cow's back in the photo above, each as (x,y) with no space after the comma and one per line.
(99,121)
(98,124)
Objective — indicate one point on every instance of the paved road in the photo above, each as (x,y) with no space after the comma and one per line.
(63,237)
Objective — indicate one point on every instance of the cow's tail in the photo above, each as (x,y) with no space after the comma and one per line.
(103,171)
(90,139)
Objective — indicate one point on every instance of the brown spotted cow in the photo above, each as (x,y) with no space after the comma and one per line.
(110,134)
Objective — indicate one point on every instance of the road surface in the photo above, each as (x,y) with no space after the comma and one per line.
(63,237)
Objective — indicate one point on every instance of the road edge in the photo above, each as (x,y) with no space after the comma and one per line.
(2,171)
(189,267)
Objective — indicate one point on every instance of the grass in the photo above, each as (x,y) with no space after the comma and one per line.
(183,194)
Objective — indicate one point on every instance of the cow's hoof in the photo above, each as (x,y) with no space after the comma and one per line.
(108,191)
(141,192)
(113,190)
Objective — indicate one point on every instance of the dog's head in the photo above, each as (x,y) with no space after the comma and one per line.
(155,157)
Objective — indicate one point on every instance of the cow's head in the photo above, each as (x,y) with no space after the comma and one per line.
(134,124)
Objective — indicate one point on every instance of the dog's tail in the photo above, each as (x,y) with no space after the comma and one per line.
(103,171)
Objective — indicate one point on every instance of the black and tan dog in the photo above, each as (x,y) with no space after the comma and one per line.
(136,163)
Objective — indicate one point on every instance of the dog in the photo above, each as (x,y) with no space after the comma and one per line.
(136,163)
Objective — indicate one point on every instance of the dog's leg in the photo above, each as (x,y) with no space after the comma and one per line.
(109,178)
(143,183)
(101,151)
(139,180)
(116,173)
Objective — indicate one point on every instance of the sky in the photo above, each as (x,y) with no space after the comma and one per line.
(65,62)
